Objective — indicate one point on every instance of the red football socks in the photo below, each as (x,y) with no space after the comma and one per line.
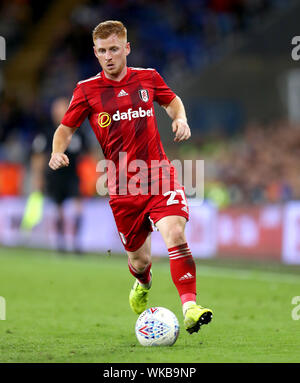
(143,277)
(183,272)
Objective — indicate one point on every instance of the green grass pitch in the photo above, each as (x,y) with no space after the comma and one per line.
(66,308)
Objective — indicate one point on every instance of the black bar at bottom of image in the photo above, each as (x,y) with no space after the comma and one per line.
(134,372)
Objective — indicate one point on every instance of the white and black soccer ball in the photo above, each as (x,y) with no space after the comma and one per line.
(157,326)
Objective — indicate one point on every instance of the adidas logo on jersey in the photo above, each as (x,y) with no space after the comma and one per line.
(130,114)
(186,276)
(122,93)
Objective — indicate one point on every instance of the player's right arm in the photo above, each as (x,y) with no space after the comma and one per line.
(61,140)
(73,118)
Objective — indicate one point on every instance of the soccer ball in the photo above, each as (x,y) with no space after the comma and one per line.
(157,326)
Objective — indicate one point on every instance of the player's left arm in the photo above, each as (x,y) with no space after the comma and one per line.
(176,112)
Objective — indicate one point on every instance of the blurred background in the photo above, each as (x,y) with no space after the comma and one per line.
(231,63)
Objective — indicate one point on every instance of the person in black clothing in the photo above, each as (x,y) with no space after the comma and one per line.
(63,184)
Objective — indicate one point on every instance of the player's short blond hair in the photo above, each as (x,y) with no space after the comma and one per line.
(108,28)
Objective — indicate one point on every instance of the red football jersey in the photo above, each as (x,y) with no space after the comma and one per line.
(121,114)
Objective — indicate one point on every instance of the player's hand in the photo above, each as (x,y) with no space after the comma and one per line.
(181,129)
(58,160)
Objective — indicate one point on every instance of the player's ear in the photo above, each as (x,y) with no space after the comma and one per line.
(95,51)
(128,48)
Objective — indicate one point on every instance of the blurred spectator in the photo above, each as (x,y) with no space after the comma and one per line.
(16,19)
(62,184)
(260,166)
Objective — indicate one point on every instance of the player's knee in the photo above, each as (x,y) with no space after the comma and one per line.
(175,235)
(140,264)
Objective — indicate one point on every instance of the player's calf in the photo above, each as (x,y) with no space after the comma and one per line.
(138,297)
(183,272)
(144,276)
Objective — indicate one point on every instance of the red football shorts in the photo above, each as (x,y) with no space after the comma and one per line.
(136,216)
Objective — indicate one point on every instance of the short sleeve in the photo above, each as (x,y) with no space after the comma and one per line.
(78,109)
(162,93)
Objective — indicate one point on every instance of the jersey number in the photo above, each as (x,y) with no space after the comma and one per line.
(172,200)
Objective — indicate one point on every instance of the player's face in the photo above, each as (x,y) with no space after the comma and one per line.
(111,54)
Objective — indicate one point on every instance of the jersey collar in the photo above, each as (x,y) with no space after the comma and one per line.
(113,82)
